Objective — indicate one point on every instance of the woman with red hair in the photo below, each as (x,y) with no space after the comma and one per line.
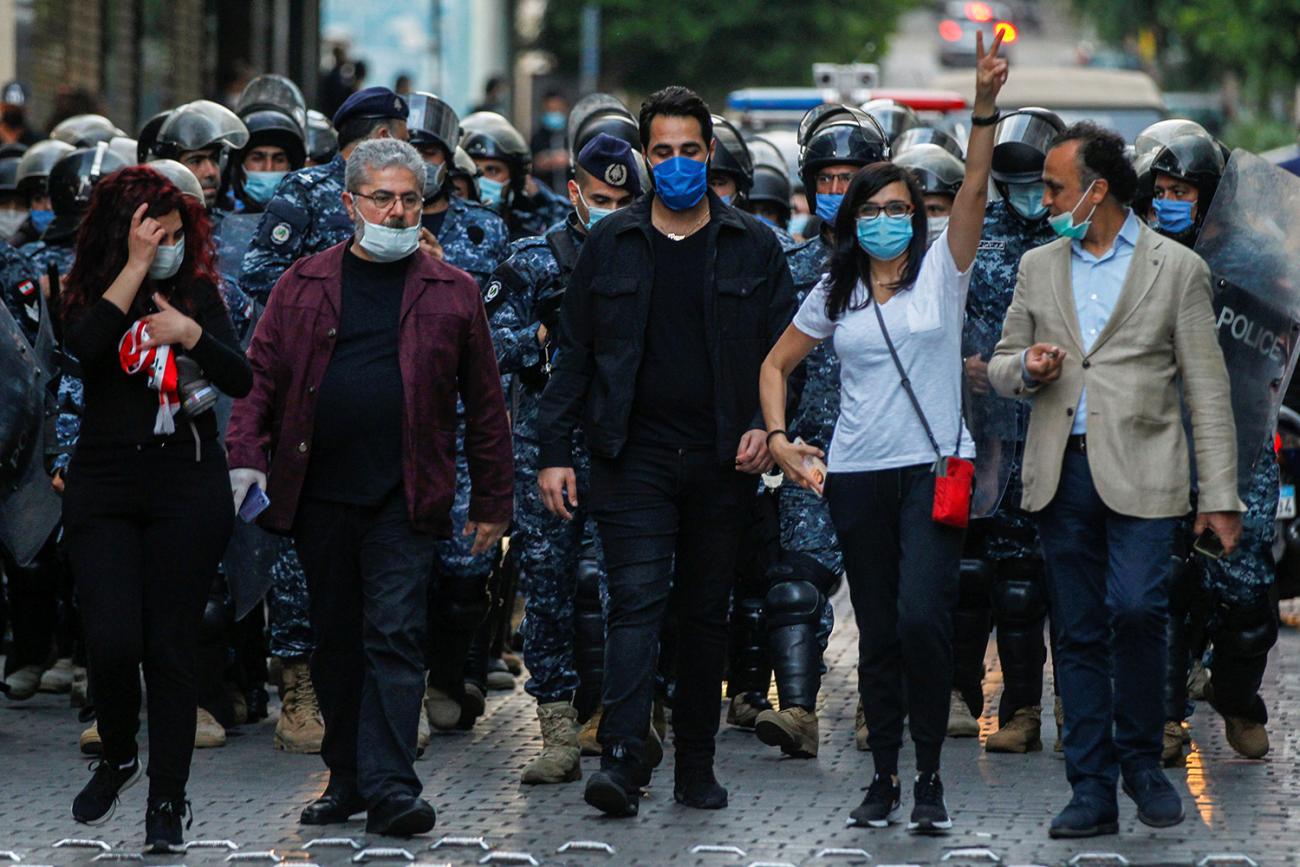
(147,504)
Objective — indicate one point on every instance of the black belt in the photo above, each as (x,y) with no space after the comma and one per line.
(1077,443)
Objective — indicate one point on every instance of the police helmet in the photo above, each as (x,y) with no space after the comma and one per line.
(894,117)
(1146,180)
(432,121)
(275,128)
(34,167)
(271,92)
(198,126)
(927,135)
(73,179)
(9,174)
(771,175)
(837,135)
(1020,145)
(125,149)
(463,166)
(731,155)
(84,130)
(182,177)
(939,172)
(1194,158)
(322,140)
(144,142)
(597,113)
(1152,139)
(488,135)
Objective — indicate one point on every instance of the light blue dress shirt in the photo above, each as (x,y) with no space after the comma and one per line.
(1097,282)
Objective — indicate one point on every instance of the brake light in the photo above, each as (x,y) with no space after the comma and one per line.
(978,11)
(1008,31)
(950,30)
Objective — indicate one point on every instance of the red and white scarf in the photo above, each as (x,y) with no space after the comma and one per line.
(158,363)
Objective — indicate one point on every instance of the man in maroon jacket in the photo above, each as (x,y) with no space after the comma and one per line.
(358,361)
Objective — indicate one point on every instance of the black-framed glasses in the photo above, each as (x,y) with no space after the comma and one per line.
(826,179)
(383,199)
(871,210)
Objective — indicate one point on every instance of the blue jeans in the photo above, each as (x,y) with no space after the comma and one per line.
(1108,584)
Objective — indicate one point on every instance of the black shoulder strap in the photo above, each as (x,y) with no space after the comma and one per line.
(565,251)
(907,385)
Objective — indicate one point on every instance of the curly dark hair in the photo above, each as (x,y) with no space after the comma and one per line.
(102,239)
(849,262)
(1101,157)
(675,101)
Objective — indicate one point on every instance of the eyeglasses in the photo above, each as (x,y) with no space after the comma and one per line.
(383,199)
(871,210)
(826,179)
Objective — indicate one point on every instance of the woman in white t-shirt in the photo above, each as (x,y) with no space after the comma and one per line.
(901,566)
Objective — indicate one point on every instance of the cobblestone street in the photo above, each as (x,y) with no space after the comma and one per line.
(783,811)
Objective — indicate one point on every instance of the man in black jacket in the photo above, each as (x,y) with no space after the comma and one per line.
(672,307)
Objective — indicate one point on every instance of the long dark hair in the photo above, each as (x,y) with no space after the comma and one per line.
(849,262)
(102,239)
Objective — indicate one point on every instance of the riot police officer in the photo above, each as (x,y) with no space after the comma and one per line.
(835,141)
(770,191)
(1003,563)
(200,135)
(894,117)
(504,158)
(275,113)
(85,130)
(523,299)
(322,140)
(940,174)
(13,204)
(464,174)
(305,216)
(32,182)
(473,238)
(1226,601)
(731,171)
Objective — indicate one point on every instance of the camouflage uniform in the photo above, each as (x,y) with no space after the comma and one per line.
(1004,575)
(20,283)
(549,547)
(304,217)
(535,214)
(805,520)
(71,400)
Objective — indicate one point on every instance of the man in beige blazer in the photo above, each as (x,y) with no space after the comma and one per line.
(1105,326)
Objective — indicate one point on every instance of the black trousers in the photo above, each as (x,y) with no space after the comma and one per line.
(144,529)
(663,513)
(367,581)
(32,595)
(902,570)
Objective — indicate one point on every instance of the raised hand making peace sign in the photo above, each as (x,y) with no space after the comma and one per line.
(990,73)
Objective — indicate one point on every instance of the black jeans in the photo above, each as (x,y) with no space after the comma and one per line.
(664,515)
(144,530)
(367,579)
(902,570)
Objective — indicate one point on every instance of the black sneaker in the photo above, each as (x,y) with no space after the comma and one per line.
(930,813)
(97,801)
(881,806)
(162,825)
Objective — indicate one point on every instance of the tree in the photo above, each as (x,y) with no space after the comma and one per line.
(715,46)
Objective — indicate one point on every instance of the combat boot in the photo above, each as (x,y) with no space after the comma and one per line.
(90,743)
(1248,738)
(560,759)
(440,709)
(1171,751)
(961,723)
(860,729)
(208,733)
(587,738)
(744,709)
(1058,711)
(1021,734)
(58,679)
(793,729)
(300,728)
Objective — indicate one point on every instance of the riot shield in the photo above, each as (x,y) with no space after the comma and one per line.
(29,507)
(999,427)
(236,235)
(1248,240)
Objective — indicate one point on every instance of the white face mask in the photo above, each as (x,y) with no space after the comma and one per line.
(385,244)
(9,223)
(934,227)
(167,261)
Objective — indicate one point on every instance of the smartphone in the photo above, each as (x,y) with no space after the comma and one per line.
(255,503)
(1208,544)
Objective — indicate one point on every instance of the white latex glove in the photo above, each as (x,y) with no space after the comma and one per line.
(241,480)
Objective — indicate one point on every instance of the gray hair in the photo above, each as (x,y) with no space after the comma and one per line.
(376,154)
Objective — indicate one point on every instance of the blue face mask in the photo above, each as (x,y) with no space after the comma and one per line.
(680,182)
(554,120)
(1172,215)
(594,215)
(884,237)
(828,205)
(490,191)
(726,200)
(41,219)
(1027,200)
(798,223)
(765,220)
(1064,225)
(259,186)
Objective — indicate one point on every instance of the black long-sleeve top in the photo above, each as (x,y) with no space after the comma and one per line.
(121,408)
